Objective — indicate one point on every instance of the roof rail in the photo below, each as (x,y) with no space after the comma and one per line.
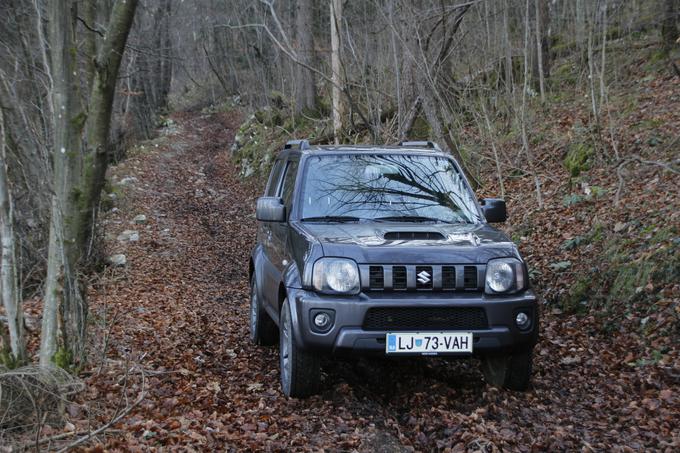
(420,144)
(297,144)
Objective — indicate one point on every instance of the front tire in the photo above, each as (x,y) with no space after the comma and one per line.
(511,371)
(262,328)
(300,370)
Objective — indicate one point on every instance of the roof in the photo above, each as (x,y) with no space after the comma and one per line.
(303,147)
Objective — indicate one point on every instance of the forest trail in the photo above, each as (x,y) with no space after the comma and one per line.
(179,309)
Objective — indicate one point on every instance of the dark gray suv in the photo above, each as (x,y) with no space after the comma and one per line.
(385,250)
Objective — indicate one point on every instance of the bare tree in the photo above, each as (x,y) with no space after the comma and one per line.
(100,107)
(542,51)
(338,111)
(305,94)
(669,24)
(11,298)
(62,284)
(523,110)
(580,27)
(79,170)
(507,47)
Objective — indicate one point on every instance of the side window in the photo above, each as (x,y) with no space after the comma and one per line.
(274,178)
(289,184)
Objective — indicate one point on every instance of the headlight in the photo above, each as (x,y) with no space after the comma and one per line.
(336,276)
(504,275)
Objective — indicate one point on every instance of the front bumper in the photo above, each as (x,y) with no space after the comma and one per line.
(347,336)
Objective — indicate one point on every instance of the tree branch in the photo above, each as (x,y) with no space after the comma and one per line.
(92,29)
(291,54)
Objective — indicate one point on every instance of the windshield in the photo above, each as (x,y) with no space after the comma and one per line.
(397,187)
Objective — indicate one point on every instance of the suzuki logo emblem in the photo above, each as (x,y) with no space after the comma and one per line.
(424,277)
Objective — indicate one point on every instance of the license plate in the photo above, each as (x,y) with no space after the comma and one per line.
(428,343)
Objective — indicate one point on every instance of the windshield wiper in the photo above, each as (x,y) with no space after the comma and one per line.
(331,218)
(413,218)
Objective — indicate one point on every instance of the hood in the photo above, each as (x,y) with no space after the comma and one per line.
(411,243)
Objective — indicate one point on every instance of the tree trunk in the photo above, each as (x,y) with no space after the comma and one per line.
(306,90)
(79,171)
(11,298)
(591,74)
(669,24)
(90,44)
(99,119)
(338,110)
(603,60)
(580,28)
(62,292)
(542,44)
(508,48)
(523,116)
(166,54)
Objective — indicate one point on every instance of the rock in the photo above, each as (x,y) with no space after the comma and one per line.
(118,260)
(127,181)
(32,323)
(571,360)
(128,235)
(140,219)
(619,227)
(247,170)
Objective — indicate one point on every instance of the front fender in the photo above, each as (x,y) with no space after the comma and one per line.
(291,276)
(296,315)
(255,267)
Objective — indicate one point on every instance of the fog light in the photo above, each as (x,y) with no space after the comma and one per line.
(322,320)
(522,320)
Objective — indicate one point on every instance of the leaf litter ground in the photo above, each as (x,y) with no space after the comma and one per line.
(179,309)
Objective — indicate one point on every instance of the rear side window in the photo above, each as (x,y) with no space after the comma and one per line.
(289,184)
(274,178)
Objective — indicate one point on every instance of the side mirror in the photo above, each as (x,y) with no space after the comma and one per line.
(270,209)
(494,210)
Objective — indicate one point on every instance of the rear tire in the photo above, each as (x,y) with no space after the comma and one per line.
(300,370)
(511,371)
(262,328)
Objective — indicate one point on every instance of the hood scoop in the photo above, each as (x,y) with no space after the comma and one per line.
(413,236)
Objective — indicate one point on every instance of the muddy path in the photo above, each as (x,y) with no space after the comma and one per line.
(180,309)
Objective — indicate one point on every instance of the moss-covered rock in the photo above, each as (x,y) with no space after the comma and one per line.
(576,301)
(632,271)
(265,132)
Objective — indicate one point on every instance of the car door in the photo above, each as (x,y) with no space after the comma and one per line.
(279,255)
(268,272)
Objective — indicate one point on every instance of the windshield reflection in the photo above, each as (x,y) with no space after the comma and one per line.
(396,187)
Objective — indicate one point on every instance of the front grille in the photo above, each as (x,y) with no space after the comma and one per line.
(417,318)
(376,278)
(448,277)
(470,277)
(399,280)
